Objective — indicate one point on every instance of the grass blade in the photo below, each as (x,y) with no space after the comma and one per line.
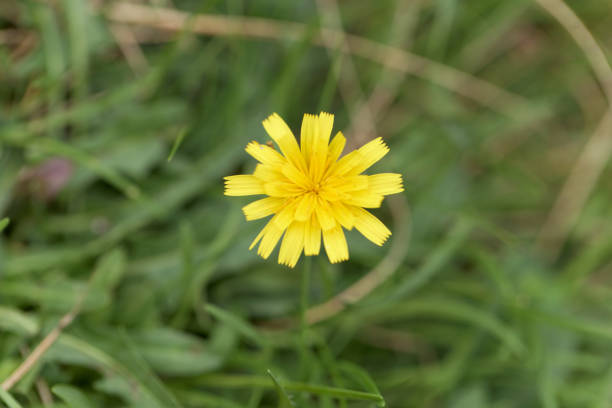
(72,396)
(434,263)
(246,381)
(8,399)
(283,398)
(238,324)
(177,142)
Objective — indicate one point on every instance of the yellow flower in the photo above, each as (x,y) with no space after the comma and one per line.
(312,191)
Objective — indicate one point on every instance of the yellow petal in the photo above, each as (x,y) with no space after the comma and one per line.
(365,199)
(329,193)
(259,236)
(265,154)
(385,183)
(292,245)
(269,236)
(269,241)
(344,165)
(295,175)
(335,148)
(370,153)
(286,215)
(307,135)
(324,214)
(312,236)
(243,185)
(282,135)
(268,173)
(370,226)
(342,214)
(282,189)
(348,183)
(335,244)
(326,123)
(305,207)
(318,157)
(262,208)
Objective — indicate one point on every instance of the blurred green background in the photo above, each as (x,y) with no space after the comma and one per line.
(118,121)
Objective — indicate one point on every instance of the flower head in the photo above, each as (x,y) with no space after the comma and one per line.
(312,191)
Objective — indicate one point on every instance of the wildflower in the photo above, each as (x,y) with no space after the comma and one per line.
(311,191)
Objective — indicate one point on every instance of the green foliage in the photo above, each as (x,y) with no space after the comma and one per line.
(72,396)
(283,399)
(114,140)
(8,399)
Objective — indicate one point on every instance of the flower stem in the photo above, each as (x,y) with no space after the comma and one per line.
(304,297)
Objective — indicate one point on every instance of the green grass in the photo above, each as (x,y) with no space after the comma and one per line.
(176,312)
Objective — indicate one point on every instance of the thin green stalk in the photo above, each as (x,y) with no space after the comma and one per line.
(229,382)
(304,297)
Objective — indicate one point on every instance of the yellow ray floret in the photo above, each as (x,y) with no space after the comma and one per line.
(312,192)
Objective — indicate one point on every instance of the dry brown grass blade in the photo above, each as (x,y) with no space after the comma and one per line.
(127,42)
(577,188)
(378,275)
(370,281)
(482,92)
(44,392)
(350,87)
(585,40)
(596,152)
(388,85)
(41,349)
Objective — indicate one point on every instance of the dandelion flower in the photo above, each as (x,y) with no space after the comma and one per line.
(312,191)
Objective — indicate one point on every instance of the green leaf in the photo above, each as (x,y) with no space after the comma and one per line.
(446,308)
(118,358)
(332,391)
(137,215)
(100,168)
(8,399)
(470,397)
(175,353)
(221,381)
(238,324)
(78,24)
(3,223)
(283,398)
(177,143)
(59,295)
(362,377)
(434,262)
(108,271)
(72,396)
(194,397)
(18,322)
